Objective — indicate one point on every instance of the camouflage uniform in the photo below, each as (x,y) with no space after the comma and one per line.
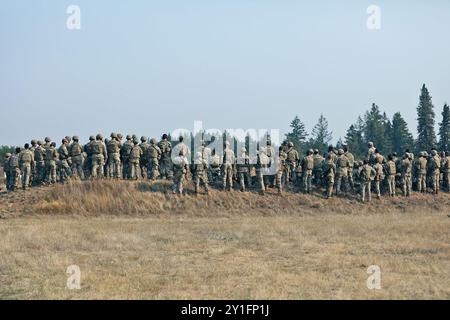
(243,169)
(180,168)
(421,170)
(379,176)
(228,161)
(283,169)
(76,154)
(366,175)
(292,159)
(51,156)
(144,161)
(14,171)
(113,149)
(351,164)
(64,169)
(125,156)
(135,156)
(391,170)
(371,153)
(33,167)
(318,168)
(165,163)
(26,162)
(214,169)
(39,156)
(87,165)
(153,156)
(406,170)
(99,155)
(307,166)
(342,167)
(329,171)
(200,174)
(435,171)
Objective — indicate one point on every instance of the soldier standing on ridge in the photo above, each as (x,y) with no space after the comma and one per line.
(421,169)
(342,166)
(180,168)
(51,156)
(165,163)
(26,162)
(144,161)
(125,156)
(351,164)
(406,171)
(435,170)
(329,171)
(318,168)
(113,148)
(366,175)
(64,168)
(153,157)
(228,161)
(200,176)
(307,168)
(76,155)
(391,169)
(14,170)
(135,156)
(292,159)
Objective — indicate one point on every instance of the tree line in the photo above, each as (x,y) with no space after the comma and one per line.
(388,135)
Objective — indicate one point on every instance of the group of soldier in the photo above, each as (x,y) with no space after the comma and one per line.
(335,171)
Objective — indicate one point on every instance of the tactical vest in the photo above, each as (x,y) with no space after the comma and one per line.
(26,156)
(38,154)
(126,149)
(14,161)
(292,156)
(75,149)
(391,167)
(113,147)
(309,163)
(423,165)
(49,154)
(135,153)
(165,147)
(96,147)
(365,173)
(342,161)
(436,163)
(153,152)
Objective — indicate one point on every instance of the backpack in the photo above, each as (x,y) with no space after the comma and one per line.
(75,150)
(112,147)
(38,154)
(135,152)
(95,147)
(392,168)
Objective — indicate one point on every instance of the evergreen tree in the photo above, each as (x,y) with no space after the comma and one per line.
(354,138)
(426,138)
(298,135)
(374,128)
(321,136)
(444,130)
(401,138)
(387,144)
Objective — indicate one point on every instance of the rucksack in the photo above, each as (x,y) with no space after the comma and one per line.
(95,147)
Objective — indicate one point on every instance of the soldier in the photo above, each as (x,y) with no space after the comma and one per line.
(379,174)
(446,169)
(135,156)
(153,156)
(370,152)
(47,142)
(144,161)
(200,175)
(99,155)
(180,168)
(39,156)
(228,161)
(14,170)
(406,171)
(64,168)
(435,170)
(292,159)
(318,168)
(307,168)
(26,162)
(342,167)
(421,170)
(51,156)
(332,153)
(351,164)
(366,175)
(214,170)
(87,165)
(329,171)
(165,163)
(243,169)
(113,149)
(391,169)
(33,168)
(181,146)
(125,157)
(76,154)
(6,169)
(283,169)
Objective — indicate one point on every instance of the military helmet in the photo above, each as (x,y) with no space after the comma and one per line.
(7,155)
(67,138)
(128,137)
(91,138)
(290,144)
(164,136)
(340,151)
(33,141)
(425,154)
(64,140)
(433,152)
(134,137)
(316,150)
(47,139)
(75,138)
(422,154)
(370,144)
(310,151)
(39,142)
(119,136)
(153,141)
(135,141)
(113,135)
(99,136)
(143,138)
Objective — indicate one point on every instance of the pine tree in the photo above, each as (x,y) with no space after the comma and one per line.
(387,144)
(401,138)
(374,127)
(354,138)
(426,138)
(298,135)
(321,136)
(444,129)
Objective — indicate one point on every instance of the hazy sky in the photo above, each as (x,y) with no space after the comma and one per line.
(148,67)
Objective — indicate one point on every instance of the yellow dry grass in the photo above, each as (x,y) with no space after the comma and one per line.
(147,244)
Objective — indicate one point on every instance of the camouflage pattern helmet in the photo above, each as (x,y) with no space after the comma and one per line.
(340,151)
(370,144)
(47,139)
(119,136)
(113,135)
(39,142)
(75,138)
(135,141)
(425,154)
(128,137)
(67,138)
(433,152)
(91,138)
(290,144)
(33,142)
(316,150)
(310,151)
(7,155)
(99,136)
(143,138)
(153,141)
(134,137)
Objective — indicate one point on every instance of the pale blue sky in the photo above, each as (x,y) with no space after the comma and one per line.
(148,67)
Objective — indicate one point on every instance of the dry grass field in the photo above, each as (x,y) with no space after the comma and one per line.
(137,241)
